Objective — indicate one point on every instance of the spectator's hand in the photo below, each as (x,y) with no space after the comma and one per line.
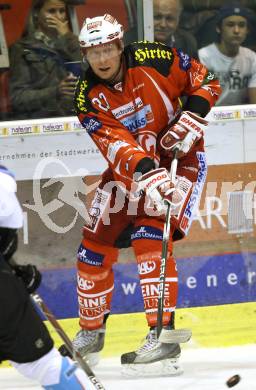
(184,134)
(61,26)
(30,276)
(67,86)
(158,186)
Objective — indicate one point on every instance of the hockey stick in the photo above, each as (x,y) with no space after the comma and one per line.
(68,343)
(168,335)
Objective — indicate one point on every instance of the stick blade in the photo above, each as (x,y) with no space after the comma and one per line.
(173,336)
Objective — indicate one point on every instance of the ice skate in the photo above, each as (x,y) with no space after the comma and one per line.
(153,358)
(89,343)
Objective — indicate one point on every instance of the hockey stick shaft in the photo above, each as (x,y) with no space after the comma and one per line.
(165,241)
(68,343)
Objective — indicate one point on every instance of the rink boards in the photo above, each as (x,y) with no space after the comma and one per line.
(203,281)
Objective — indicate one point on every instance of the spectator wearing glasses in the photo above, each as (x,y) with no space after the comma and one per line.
(166,27)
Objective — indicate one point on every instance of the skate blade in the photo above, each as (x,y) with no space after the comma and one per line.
(167,367)
(175,336)
(92,359)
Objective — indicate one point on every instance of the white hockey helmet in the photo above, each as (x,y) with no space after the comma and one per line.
(11,215)
(99,30)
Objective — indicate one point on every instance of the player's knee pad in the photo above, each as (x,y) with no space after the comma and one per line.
(95,282)
(147,244)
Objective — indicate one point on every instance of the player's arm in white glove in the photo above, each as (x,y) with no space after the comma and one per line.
(184,134)
(158,187)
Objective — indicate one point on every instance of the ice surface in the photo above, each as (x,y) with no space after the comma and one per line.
(204,369)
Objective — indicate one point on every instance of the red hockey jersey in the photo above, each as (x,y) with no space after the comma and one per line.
(124,120)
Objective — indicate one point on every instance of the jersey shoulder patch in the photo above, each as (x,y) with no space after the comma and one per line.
(85,84)
(151,54)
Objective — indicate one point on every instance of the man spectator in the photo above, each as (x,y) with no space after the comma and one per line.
(166,27)
(234,64)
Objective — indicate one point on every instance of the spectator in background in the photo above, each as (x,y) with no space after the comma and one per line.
(234,64)
(40,84)
(166,20)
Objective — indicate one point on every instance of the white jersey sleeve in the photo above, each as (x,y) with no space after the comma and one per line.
(11,215)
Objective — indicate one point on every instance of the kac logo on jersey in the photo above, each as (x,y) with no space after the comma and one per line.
(146,267)
(84,284)
(91,124)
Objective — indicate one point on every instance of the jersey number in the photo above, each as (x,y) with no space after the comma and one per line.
(101,102)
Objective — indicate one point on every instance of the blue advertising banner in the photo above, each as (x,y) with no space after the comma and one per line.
(203,281)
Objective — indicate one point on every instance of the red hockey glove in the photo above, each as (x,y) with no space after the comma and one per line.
(158,187)
(184,134)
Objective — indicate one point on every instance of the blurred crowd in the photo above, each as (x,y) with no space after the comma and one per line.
(45,62)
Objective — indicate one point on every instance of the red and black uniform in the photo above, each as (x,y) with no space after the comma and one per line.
(125,120)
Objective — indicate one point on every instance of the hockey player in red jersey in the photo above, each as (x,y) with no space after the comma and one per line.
(128,101)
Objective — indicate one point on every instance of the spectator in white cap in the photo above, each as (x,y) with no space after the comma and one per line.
(234,64)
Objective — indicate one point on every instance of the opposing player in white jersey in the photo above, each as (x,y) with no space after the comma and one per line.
(234,64)
(24,339)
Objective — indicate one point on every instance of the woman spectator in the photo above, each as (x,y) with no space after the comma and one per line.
(40,84)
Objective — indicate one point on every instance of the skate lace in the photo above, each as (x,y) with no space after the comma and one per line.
(151,341)
(84,338)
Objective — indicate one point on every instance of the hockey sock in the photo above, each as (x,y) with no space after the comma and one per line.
(95,283)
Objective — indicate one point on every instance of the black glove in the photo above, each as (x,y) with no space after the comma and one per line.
(30,276)
(8,242)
